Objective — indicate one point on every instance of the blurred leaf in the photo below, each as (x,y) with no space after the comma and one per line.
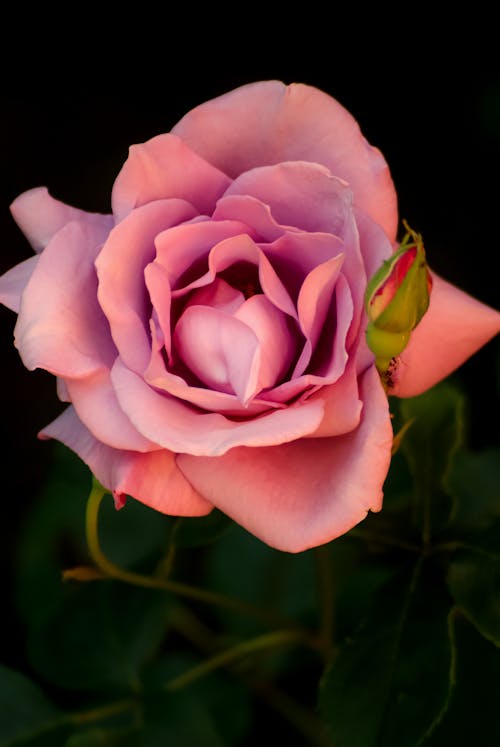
(398,486)
(98,635)
(178,719)
(390,684)
(356,594)
(429,446)
(475,482)
(225,699)
(474,582)
(134,533)
(25,712)
(200,530)
(242,566)
(54,535)
(99,737)
(472,717)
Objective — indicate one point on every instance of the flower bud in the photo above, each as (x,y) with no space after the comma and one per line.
(396,299)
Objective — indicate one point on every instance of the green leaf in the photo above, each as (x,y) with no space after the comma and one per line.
(224,700)
(53,535)
(429,446)
(200,530)
(474,582)
(474,480)
(241,566)
(98,636)
(53,538)
(25,712)
(389,684)
(133,534)
(472,717)
(100,737)
(178,719)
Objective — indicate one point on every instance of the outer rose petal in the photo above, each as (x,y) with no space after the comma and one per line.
(13,283)
(453,328)
(165,167)
(152,478)
(40,216)
(61,327)
(267,123)
(95,402)
(300,194)
(305,493)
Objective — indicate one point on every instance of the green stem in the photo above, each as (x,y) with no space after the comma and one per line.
(101,713)
(230,655)
(458,545)
(151,582)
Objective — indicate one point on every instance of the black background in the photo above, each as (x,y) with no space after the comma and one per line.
(74,99)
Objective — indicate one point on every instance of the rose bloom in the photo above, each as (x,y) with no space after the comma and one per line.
(209,334)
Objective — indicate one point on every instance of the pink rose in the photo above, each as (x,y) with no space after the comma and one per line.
(210,333)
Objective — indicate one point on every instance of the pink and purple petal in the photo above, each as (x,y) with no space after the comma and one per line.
(162,168)
(152,478)
(61,327)
(330,485)
(267,122)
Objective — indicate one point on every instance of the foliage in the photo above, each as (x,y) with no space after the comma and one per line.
(192,632)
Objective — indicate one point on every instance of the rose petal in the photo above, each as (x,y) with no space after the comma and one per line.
(219,295)
(120,268)
(374,244)
(268,122)
(296,253)
(300,194)
(243,249)
(152,478)
(305,493)
(219,349)
(252,212)
(342,404)
(162,168)
(166,420)
(330,357)
(276,343)
(97,407)
(453,328)
(14,281)
(314,301)
(157,375)
(40,216)
(61,327)
(182,249)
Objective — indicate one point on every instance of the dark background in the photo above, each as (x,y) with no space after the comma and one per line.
(72,102)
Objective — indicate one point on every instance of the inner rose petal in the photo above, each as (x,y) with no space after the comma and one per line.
(273,330)
(183,250)
(252,211)
(244,249)
(219,349)
(219,295)
(313,304)
(296,253)
(161,379)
